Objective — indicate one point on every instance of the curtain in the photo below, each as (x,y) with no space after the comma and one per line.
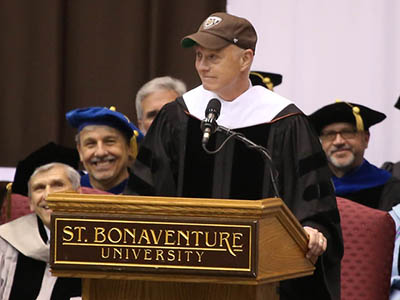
(59,55)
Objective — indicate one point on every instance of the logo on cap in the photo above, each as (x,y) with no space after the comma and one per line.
(211,22)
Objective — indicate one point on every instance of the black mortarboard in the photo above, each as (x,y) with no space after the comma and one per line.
(48,153)
(397,105)
(269,80)
(360,116)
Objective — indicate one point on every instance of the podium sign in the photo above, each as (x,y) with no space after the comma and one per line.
(150,245)
(147,248)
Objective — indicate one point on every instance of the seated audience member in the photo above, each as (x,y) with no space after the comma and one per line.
(107,143)
(343,129)
(15,204)
(24,242)
(50,152)
(153,95)
(269,80)
(173,162)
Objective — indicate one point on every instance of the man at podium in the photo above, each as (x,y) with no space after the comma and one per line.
(179,157)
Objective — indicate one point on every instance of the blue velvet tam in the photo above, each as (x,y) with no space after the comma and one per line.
(81,117)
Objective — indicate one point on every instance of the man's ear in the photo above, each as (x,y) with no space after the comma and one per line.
(247,59)
(140,125)
(366,138)
(31,206)
(131,155)
(131,158)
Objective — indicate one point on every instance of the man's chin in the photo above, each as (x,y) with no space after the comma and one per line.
(208,87)
(341,163)
(46,220)
(103,179)
(103,176)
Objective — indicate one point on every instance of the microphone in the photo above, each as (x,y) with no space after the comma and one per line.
(209,124)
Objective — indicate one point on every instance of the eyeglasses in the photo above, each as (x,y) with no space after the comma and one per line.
(346,134)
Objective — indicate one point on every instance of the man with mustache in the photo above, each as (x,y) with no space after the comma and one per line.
(107,143)
(24,242)
(343,129)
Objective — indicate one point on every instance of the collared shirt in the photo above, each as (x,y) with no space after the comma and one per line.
(118,189)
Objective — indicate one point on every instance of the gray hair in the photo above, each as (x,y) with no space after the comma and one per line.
(159,83)
(72,174)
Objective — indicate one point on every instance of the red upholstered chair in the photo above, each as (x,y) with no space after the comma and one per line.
(368,236)
(14,206)
(88,190)
(18,205)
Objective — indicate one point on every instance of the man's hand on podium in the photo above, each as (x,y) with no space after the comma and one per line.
(317,244)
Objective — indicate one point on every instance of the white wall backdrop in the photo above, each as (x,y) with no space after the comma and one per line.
(327,50)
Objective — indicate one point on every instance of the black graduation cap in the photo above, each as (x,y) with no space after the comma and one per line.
(269,80)
(397,105)
(48,153)
(359,115)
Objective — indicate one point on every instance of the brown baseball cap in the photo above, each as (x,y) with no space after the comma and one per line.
(221,29)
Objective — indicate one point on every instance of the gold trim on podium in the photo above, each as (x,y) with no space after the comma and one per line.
(278,240)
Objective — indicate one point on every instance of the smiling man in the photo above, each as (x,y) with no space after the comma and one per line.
(50,178)
(24,242)
(107,143)
(172,161)
(343,129)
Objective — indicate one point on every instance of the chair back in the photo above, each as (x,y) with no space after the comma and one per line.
(368,237)
(16,205)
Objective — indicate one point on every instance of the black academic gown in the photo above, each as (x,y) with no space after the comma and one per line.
(392,167)
(382,197)
(171,162)
(29,273)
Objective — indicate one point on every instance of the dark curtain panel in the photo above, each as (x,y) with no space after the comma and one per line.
(59,55)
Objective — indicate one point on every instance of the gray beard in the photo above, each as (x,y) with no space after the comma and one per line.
(343,164)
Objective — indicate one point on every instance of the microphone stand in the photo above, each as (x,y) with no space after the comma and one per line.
(250,144)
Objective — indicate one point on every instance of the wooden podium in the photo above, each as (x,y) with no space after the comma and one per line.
(134,247)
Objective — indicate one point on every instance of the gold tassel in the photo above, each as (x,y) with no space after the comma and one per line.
(134,144)
(8,200)
(356,113)
(359,120)
(266,80)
